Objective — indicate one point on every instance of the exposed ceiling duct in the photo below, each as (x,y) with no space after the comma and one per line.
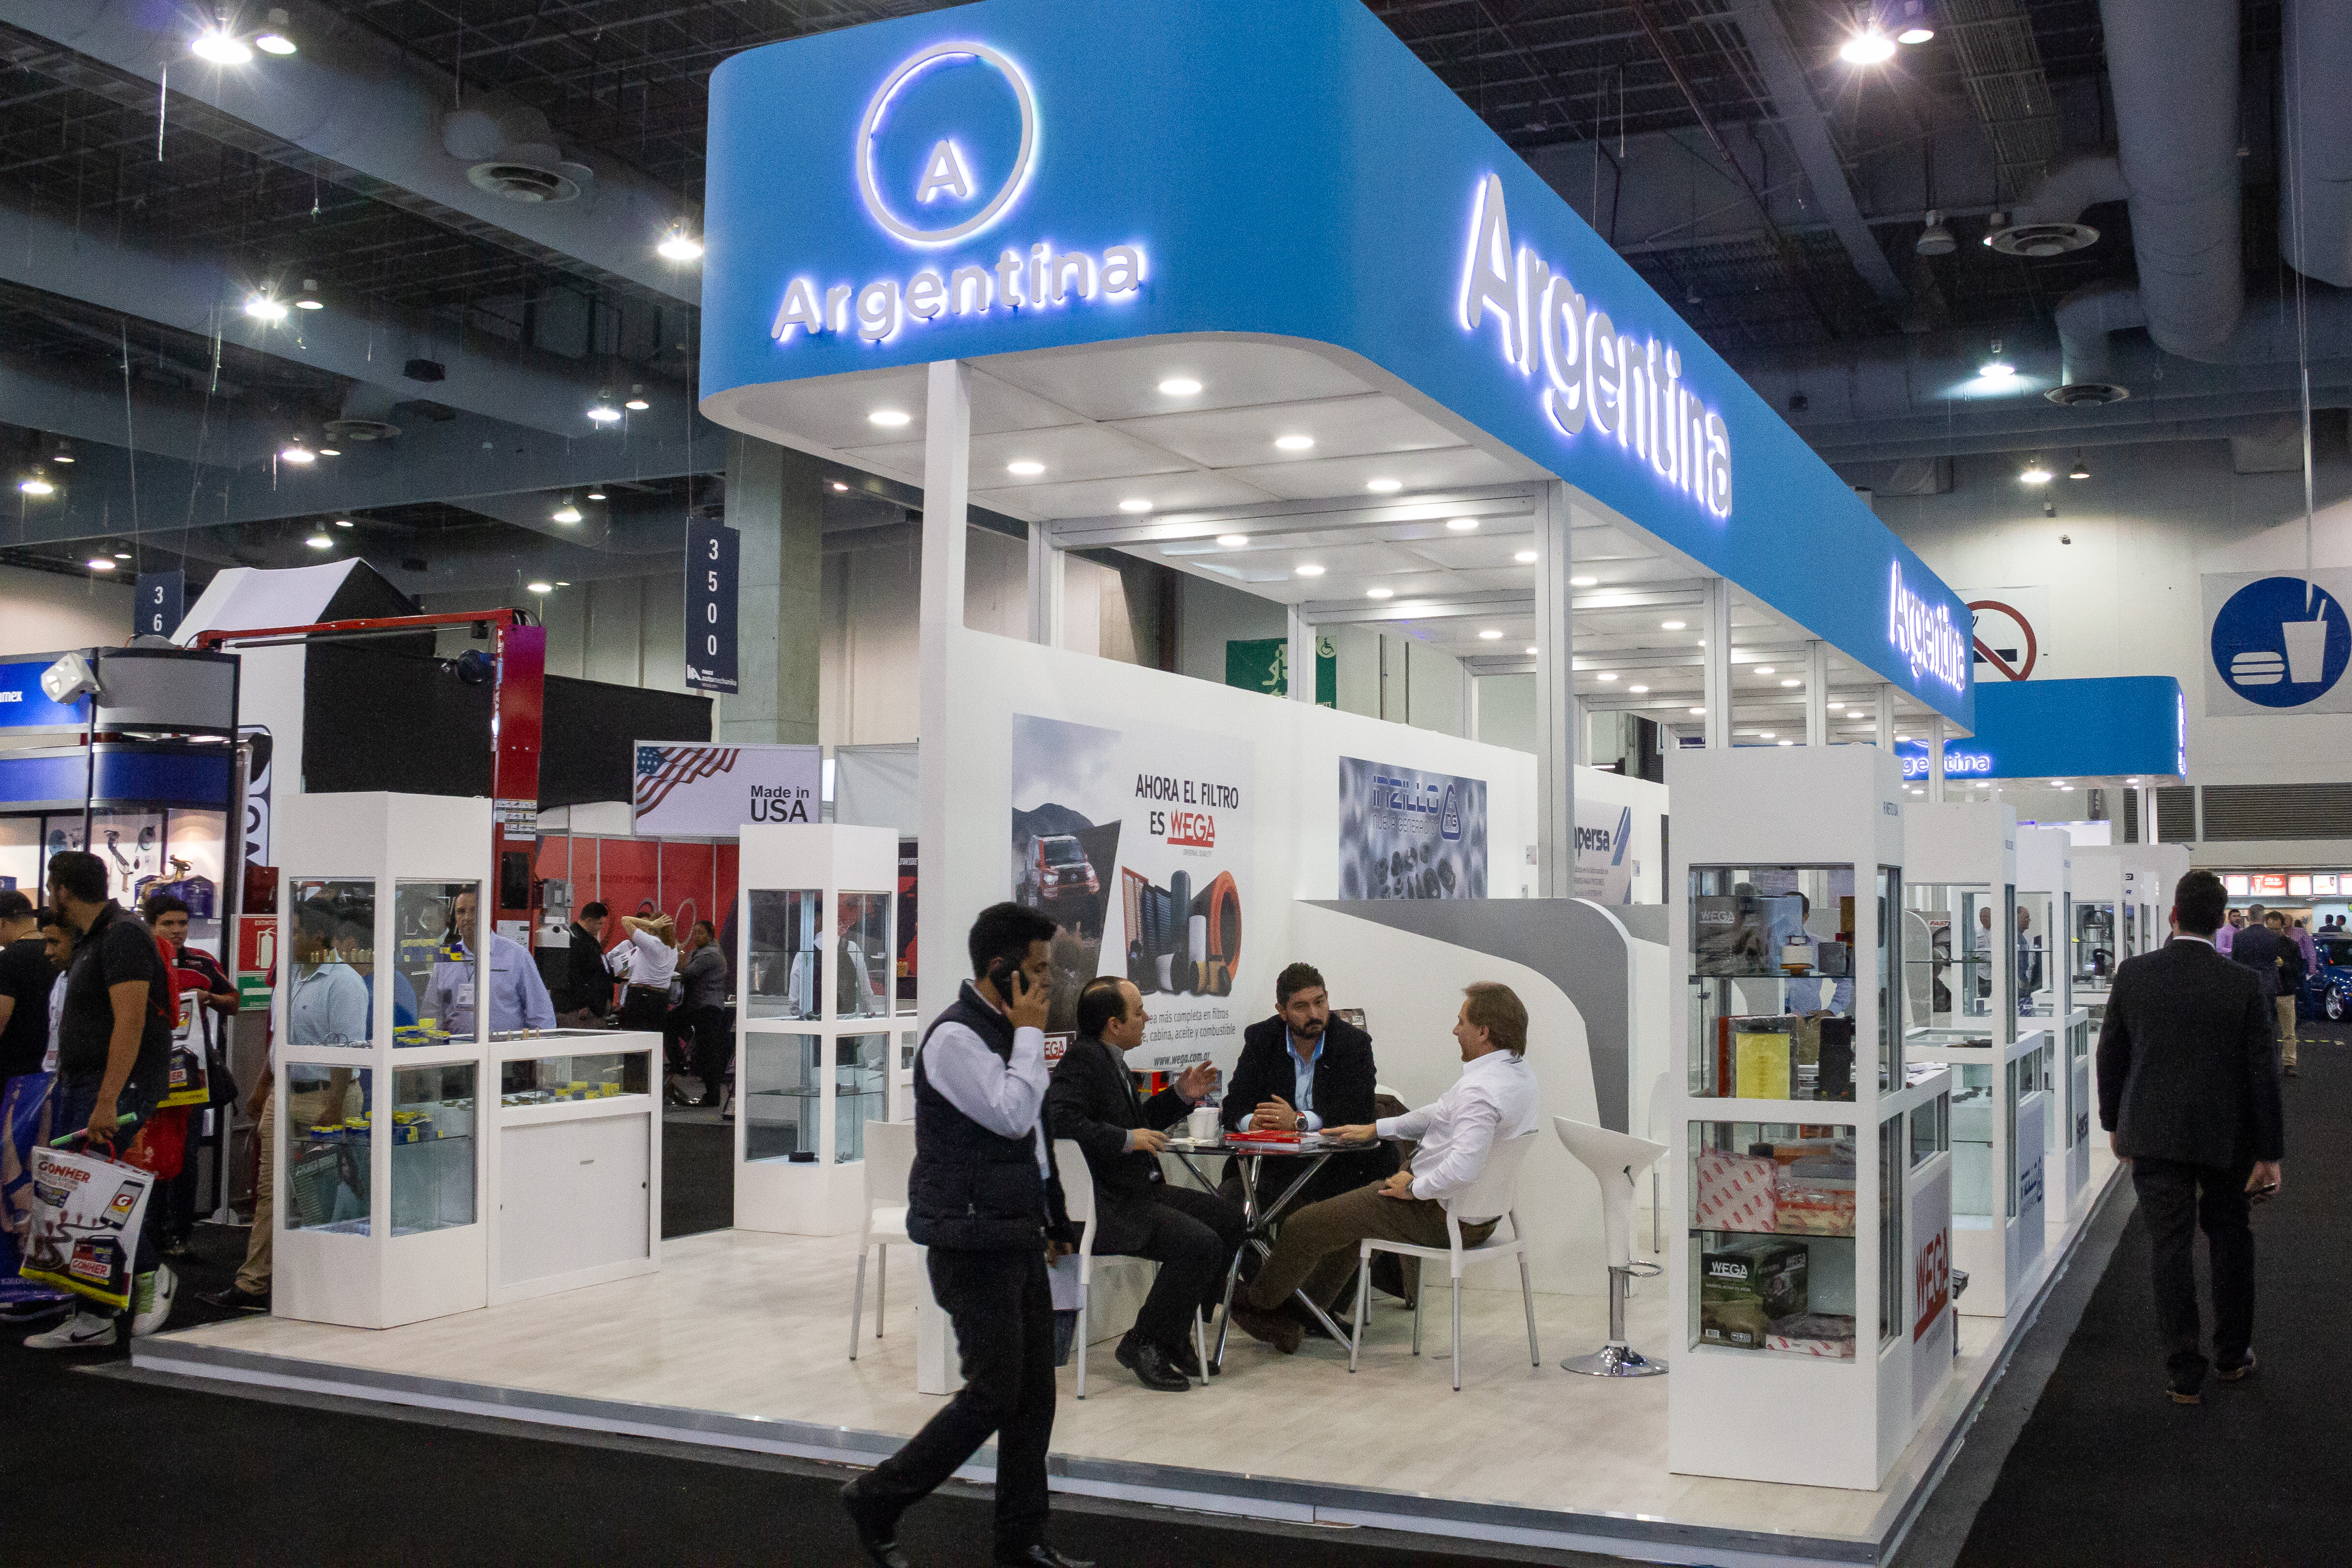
(2051,223)
(2316,181)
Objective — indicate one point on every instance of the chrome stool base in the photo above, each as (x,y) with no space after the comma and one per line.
(1614,1361)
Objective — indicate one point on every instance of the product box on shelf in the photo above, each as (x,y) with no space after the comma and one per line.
(1745,1288)
(1734,1192)
(1763,1056)
(1829,1335)
(1743,934)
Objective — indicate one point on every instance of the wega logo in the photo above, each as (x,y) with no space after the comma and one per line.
(1192,830)
(1932,1270)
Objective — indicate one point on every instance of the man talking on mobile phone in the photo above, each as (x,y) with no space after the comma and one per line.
(2188,1093)
(985,1201)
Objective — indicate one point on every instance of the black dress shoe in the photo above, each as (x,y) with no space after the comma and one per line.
(2180,1395)
(1152,1367)
(876,1536)
(2234,1373)
(1041,1556)
(1182,1358)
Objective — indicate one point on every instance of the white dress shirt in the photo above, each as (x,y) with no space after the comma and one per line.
(330,1006)
(1495,1098)
(643,960)
(1001,1096)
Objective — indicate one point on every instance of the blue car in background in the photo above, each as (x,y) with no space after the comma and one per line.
(2327,989)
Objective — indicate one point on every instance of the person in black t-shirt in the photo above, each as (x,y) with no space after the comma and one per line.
(25,980)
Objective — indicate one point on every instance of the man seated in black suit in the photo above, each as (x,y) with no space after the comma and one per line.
(1300,1070)
(2188,1093)
(1191,1234)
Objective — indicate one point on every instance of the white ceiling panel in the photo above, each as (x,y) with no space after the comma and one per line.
(1491,545)
(1070,452)
(1044,497)
(1122,381)
(1339,427)
(1444,467)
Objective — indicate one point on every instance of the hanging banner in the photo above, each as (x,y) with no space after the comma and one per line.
(691,790)
(711,550)
(1135,841)
(1406,834)
(161,599)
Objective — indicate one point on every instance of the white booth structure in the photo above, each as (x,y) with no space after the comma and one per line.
(2046,992)
(424,1165)
(817,1047)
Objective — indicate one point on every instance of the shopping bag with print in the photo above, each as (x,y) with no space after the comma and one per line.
(24,1127)
(87,1211)
(188,1081)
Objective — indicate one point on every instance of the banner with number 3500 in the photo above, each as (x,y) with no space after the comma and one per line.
(710,556)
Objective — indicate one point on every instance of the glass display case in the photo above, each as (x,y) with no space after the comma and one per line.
(1770,1217)
(435,972)
(1954,938)
(818,1056)
(2000,1105)
(2096,952)
(1772,992)
(2038,976)
(328,1173)
(433,1157)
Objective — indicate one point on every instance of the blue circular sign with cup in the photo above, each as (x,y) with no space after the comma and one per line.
(2282,642)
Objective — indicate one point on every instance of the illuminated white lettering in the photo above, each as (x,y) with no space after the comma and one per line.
(970,290)
(877,310)
(880,309)
(1077,263)
(1487,279)
(944,175)
(926,296)
(1122,269)
(1563,355)
(1601,372)
(800,309)
(836,308)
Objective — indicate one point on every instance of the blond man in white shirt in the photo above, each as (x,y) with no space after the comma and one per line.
(1495,1098)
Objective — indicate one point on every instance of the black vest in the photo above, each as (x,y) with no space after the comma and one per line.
(974,1190)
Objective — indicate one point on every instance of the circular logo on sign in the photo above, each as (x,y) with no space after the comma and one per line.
(2282,642)
(2004,638)
(946,143)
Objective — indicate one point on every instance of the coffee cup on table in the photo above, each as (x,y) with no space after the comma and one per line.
(1203,1123)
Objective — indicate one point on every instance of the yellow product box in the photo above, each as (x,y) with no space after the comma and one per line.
(1763,1065)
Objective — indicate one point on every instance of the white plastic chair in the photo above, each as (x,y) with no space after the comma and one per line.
(1616,1159)
(889,1162)
(1079,1203)
(1496,1192)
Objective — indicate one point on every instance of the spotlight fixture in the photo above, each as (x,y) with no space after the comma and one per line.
(122,555)
(1180,386)
(1524,557)
(539,587)
(1914,21)
(1935,240)
(1233,540)
(1380,593)
(309,299)
(1490,635)
(264,307)
(1310,570)
(1135,504)
(889,418)
(1024,468)
(839,488)
(1584,582)
(597,494)
(637,402)
(64,454)
(2080,470)
(1385,487)
(566,513)
(331,451)
(319,542)
(679,245)
(2035,472)
(1866,47)
(36,483)
(217,46)
(100,564)
(343,522)
(1294,443)
(295,452)
(1462,524)
(1672,625)
(272,38)
(602,411)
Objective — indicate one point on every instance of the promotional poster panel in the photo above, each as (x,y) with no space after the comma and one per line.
(1604,852)
(711,791)
(1406,833)
(1134,841)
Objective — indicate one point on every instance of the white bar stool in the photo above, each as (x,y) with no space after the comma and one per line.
(1616,1159)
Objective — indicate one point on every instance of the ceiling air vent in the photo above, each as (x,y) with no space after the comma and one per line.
(2042,239)
(424,370)
(361,429)
(2086,393)
(529,172)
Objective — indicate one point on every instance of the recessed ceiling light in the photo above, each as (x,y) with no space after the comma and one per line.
(2068,788)
(1764,734)
(100,564)
(1310,570)
(1135,504)
(1180,386)
(1791,682)
(1763,670)
(1531,653)
(319,542)
(1584,582)
(1025,467)
(1903,738)
(1490,635)
(1788,742)
(540,587)
(2057,784)
(1606,675)
(1294,443)
(1695,711)
(343,522)
(1233,541)
(1637,688)
(1380,593)
(1524,557)
(1671,626)
(1385,487)
(1462,524)
(2131,781)
(889,418)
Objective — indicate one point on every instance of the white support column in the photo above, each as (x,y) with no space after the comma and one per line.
(1715,626)
(1555,709)
(1302,657)
(1579,733)
(947,475)
(1886,716)
(1045,577)
(1936,761)
(1817,693)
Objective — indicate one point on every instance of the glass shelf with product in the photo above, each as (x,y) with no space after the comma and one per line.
(1772,983)
(2038,977)
(1998,1129)
(2095,954)
(1952,990)
(1771,1237)
(433,1147)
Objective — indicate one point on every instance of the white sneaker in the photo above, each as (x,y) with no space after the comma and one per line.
(83,1330)
(151,1303)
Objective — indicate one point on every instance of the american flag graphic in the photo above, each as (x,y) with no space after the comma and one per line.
(661,769)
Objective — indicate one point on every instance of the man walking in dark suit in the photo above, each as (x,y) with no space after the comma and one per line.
(2189,1092)
(1301,1070)
(1191,1234)
(984,1198)
(2260,948)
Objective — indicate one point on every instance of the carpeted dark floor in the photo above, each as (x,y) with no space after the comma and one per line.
(697,1176)
(2107,1472)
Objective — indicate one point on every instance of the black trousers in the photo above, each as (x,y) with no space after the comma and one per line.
(644,1007)
(1002,1309)
(714,1044)
(2175,1200)
(1192,1235)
